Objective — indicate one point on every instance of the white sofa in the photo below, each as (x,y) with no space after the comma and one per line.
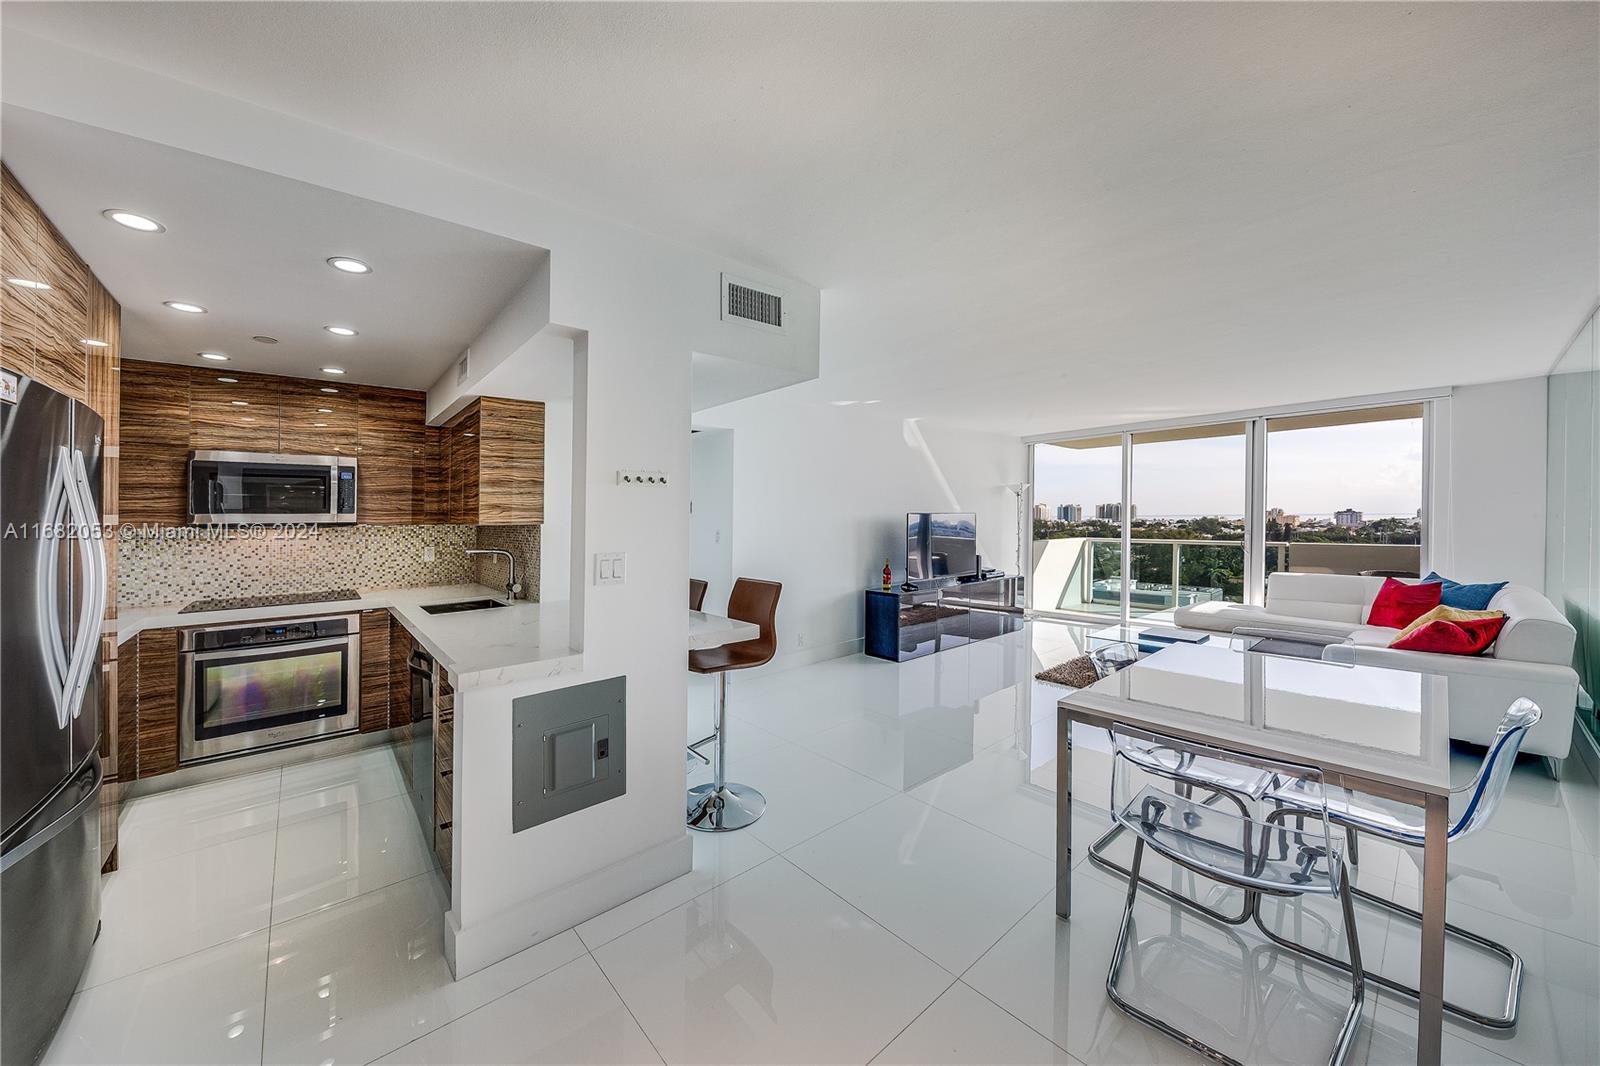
(1532,656)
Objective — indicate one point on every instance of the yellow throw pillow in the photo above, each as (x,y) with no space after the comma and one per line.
(1444,614)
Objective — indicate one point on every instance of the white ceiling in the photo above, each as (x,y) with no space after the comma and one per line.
(251,248)
(1023,217)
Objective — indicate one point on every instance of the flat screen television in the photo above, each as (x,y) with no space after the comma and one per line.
(941,544)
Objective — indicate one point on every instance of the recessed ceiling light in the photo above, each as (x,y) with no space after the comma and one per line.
(326,389)
(263,339)
(340,331)
(333,370)
(142,223)
(186,308)
(348,265)
(215,357)
(229,381)
(240,403)
(95,343)
(28,283)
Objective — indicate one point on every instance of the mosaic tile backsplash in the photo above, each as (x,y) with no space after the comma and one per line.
(179,564)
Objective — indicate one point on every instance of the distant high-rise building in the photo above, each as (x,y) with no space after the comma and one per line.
(1348,519)
(1112,512)
(1282,517)
(1069,512)
(1041,512)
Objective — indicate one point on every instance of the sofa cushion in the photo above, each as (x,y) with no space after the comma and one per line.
(1226,617)
(1535,632)
(1448,631)
(1399,604)
(1326,597)
(1466,597)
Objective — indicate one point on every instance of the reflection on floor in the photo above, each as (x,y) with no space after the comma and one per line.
(891,907)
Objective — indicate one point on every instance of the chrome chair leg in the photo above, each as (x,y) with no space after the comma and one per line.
(722,805)
(1507,1019)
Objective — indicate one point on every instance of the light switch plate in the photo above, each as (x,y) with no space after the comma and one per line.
(610,568)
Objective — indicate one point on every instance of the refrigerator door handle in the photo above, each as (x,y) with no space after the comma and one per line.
(92,602)
(57,516)
(43,835)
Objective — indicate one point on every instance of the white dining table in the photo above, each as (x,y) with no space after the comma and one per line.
(713,631)
(1382,732)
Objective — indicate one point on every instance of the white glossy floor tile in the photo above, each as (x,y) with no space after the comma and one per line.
(964,1029)
(203,1008)
(198,803)
(569,1016)
(899,756)
(154,912)
(769,967)
(361,777)
(343,852)
(356,981)
(717,858)
(805,792)
(1001,794)
(150,838)
(948,889)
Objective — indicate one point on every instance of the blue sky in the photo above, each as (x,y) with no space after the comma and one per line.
(1374,467)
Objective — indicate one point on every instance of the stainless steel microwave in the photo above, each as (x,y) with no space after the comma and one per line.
(248,488)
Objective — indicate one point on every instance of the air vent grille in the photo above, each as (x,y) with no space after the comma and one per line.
(755,305)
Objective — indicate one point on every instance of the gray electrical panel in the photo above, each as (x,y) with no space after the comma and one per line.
(568,750)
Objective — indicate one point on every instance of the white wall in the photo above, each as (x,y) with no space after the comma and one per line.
(642,306)
(711,513)
(1495,454)
(820,495)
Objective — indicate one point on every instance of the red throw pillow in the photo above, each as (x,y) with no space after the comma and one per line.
(1399,604)
(1471,637)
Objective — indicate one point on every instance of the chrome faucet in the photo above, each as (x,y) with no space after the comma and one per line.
(512,587)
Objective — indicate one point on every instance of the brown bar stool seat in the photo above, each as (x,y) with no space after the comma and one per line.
(723,805)
(697,594)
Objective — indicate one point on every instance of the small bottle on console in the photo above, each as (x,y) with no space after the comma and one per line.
(888,576)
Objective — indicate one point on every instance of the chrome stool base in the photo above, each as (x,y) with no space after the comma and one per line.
(721,810)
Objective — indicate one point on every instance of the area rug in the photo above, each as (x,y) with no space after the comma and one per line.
(1074,673)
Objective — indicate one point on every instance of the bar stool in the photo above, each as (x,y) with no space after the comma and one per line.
(697,594)
(723,805)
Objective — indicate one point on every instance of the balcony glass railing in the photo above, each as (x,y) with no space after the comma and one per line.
(1084,575)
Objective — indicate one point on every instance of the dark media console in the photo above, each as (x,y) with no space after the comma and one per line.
(907,624)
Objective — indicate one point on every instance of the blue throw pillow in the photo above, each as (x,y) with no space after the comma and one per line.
(1465,597)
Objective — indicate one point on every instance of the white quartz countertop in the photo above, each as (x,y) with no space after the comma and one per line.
(476,648)
(713,631)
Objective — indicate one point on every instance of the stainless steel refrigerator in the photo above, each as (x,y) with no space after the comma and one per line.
(52,600)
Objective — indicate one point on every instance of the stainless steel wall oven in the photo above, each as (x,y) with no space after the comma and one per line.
(247,687)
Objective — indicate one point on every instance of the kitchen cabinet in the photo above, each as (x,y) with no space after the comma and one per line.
(375,671)
(394,460)
(154,450)
(314,422)
(157,713)
(43,329)
(493,458)
(237,415)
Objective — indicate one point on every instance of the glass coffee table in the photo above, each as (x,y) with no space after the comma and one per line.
(1148,638)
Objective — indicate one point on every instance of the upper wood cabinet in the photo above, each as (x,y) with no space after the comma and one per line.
(493,456)
(391,483)
(42,330)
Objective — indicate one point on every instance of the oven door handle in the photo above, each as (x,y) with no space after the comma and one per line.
(246,649)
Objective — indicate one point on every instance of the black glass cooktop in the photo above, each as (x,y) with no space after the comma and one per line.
(276,599)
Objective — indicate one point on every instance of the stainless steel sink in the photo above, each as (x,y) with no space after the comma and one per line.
(457,606)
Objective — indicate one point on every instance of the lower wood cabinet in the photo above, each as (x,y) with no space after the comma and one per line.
(375,671)
(157,713)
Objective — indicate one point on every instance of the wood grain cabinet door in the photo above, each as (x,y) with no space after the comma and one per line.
(313,422)
(154,464)
(510,462)
(238,415)
(21,311)
(158,702)
(43,328)
(390,484)
(375,671)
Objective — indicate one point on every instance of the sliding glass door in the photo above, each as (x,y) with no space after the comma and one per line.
(1138,522)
